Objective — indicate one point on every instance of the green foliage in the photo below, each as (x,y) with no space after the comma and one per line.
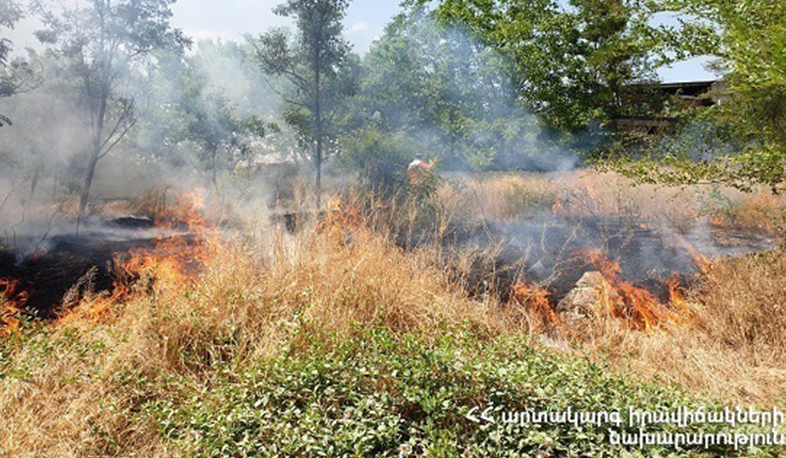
(10,13)
(318,67)
(379,395)
(747,142)
(371,393)
(573,66)
(99,43)
(380,158)
(193,121)
(450,95)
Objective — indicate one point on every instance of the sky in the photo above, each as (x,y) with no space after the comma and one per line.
(365,21)
(232,19)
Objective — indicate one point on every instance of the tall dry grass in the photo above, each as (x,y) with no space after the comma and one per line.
(75,386)
(508,196)
(256,296)
(733,347)
(503,196)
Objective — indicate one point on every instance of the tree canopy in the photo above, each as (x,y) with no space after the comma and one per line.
(319,68)
(10,13)
(571,64)
(98,42)
(745,134)
(450,95)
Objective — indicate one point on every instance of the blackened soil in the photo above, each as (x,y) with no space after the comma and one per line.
(76,264)
(48,276)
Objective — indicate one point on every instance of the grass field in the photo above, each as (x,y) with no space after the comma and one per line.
(336,341)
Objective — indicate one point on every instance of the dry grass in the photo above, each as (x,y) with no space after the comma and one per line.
(686,357)
(501,196)
(261,292)
(734,345)
(730,346)
(744,306)
(512,195)
(252,299)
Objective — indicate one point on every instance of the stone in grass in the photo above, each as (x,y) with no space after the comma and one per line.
(593,296)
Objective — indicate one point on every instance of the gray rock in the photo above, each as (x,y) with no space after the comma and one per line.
(590,298)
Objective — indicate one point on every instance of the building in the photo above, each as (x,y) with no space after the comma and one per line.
(664,96)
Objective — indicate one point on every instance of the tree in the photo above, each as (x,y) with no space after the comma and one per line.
(319,67)
(747,131)
(100,42)
(192,116)
(749,38)
(221,133)
(10,13)
(449,95)
(571,64)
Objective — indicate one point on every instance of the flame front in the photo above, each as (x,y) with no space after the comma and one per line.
(12,304)
(536,302)
(637,305)
(174,261)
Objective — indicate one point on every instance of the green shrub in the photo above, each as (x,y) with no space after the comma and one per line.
(375,395)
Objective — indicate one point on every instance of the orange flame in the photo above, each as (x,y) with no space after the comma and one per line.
(537,302)
(637,305)
(341,221)
(174,261)
(12,305)
(677,299)
(188,211)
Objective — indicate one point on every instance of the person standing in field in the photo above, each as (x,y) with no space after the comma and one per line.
(418,170)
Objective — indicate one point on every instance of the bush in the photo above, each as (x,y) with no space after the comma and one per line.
(380,395)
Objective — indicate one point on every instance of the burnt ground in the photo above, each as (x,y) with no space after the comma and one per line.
(63,261)
(547,251)
(540,250)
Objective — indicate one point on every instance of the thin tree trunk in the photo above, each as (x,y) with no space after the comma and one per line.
(318,116)
(34,184)
(98,127)
(319,171)
(214,177)
(95,155)
(85,195)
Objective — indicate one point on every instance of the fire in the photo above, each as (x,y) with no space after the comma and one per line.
(681,309)
(12,304)
(341,221)
(635,304)
(702,262)
(174,262)
(187,210)
(582,198)
(611,297)
(174,259)
(537,302)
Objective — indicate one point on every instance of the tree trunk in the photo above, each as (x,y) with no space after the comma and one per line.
(95,155)
(318,118)
(85,195)
(99,113)
(318,160)
(34,185)
(214,172)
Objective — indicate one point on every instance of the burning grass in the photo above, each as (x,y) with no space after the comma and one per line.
(722,338)
(253,297)
(292,342)
(720,334)
(12,304)
(342,318)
